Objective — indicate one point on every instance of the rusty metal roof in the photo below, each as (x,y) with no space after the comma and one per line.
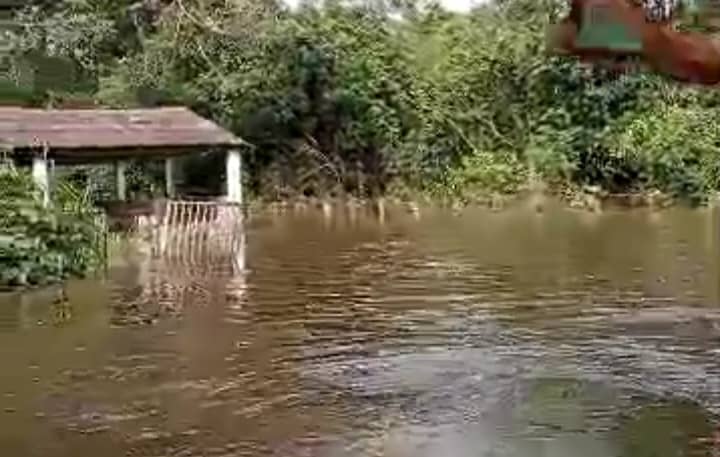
(81,132)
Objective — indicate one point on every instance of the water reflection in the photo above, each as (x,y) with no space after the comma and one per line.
(490,333)
(669,428)
(150,288)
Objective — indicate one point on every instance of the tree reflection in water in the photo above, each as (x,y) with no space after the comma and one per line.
(669,429)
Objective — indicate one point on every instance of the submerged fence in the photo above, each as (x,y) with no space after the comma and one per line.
(197,234)
(195,256)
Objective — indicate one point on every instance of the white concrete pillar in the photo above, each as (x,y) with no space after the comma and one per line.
(239,260)
(120,183)
(233,174)
(169,178)
(42,178)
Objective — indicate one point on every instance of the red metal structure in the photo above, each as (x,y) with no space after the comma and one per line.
(602,31)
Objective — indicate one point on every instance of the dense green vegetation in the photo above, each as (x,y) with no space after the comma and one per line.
(350,99)
(41,245)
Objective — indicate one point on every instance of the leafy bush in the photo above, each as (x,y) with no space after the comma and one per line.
(486,173)
(40,245)
(672,149)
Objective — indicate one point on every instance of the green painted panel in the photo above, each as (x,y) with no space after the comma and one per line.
(600,30)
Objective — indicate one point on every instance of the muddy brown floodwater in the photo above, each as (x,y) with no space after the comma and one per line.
(484,334)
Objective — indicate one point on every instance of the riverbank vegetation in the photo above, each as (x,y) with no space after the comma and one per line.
(39,244)
(378,97)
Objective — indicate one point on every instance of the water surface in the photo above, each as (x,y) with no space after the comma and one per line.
(482,334)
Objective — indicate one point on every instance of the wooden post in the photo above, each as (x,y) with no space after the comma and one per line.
(169,178)
(120,183)
(233,166)
(41,177)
